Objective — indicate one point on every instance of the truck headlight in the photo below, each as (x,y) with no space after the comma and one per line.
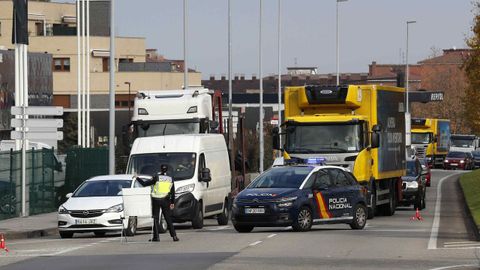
(115,209)
(185,189)
(62,210)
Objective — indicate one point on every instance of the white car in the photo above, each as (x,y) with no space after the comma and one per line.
(96,206)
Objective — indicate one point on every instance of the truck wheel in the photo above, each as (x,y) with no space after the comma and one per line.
(359,217)
(389,208)
(243,228)
(132,226)
(222,219)
(371,210)
(304,220)
(197,222)
(66,234)
(163,225)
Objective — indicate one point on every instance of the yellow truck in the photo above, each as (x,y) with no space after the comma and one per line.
(360,127)
(431,139)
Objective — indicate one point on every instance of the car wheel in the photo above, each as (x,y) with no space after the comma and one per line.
(132,226)
(163,225)
(66,234)
(359,217)
(99,234)
(303,221)
(197,222)
(222,219)
(243,228)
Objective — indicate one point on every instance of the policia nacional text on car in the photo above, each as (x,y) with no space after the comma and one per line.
(163,196)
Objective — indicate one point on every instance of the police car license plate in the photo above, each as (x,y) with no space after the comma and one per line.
(254,210)
(84,221)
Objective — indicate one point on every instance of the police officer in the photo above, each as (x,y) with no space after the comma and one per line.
(163,196)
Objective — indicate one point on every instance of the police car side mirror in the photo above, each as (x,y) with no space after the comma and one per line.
(205,175)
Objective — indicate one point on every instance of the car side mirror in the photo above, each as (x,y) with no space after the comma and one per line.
(275,138)
(205,175)
(69,195)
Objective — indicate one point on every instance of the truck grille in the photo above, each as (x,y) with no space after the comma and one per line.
(420,152)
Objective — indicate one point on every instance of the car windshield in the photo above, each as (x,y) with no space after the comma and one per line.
(411,168)
(282,177)
(456,155)
(462,143)
(421,138)
(159,129)
(338,138)
(104,188)
(181,166)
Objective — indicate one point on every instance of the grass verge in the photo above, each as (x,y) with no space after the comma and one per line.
(470,183)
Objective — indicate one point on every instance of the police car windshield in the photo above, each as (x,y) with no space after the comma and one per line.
(181,166)
(332,138)
(105,188)
(282,177)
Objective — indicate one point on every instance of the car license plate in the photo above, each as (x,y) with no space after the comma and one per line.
(453,164)
(84,221)
(254,210)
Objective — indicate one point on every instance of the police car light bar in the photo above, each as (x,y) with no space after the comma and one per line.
(316,161)
(306,161)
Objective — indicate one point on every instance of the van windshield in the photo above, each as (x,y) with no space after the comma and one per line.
(181,166)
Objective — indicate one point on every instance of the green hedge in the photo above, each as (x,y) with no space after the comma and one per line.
(471,188)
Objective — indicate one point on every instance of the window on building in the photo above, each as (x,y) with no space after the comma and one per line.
(0,29)
(61,64)
(105,64)
(39,28)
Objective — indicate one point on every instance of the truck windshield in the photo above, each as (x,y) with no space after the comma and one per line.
(337,138)
(181,166)
(424,138)
(159,129)
(462,143)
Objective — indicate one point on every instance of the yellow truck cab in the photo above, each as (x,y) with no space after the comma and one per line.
(359,127)
(431,139)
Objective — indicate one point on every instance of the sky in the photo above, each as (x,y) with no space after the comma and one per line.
(370,30)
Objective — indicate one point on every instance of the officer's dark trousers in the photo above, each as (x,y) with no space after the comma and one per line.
(163,204)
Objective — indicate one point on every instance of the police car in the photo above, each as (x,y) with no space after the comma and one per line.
(301,194)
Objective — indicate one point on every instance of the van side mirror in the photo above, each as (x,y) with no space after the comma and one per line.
(275,138)
(205,175)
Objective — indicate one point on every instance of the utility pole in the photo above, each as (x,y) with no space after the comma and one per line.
(407,106)
(280,70)
(261,88)
(111,139)
(338,46)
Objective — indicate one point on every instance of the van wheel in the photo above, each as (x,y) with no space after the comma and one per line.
(359,217)
(163,225)
(132,226)
(197,222)
(66,234)
(222,219)
(243,228)
(304,220)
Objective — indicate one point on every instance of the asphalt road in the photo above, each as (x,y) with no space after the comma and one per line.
(443,240)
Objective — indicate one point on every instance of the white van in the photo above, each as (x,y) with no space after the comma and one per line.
(200,167)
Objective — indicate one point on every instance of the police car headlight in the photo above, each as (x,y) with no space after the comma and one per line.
(115,209)
(285,204)
(412,184)
(62,210)
(185,189)
(286,201)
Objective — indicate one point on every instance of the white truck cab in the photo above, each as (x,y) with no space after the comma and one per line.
(199,165)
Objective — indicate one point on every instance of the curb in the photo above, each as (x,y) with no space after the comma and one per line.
(13,235)
(471,221)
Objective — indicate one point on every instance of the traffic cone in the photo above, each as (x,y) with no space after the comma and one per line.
(417,216)
(3,245)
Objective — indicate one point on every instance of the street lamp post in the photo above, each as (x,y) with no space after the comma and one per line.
(261,89)
(407,106)
(338,44)
(129,101)
(279,70)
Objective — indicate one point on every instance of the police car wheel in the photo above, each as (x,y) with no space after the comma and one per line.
(243,228)
(163,225)
(304,220)
(359,217)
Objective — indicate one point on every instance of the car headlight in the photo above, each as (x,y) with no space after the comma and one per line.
(185,189)
(413,184)
(462,161)
(286,201)
(115,209)
(62,210)
(446,161)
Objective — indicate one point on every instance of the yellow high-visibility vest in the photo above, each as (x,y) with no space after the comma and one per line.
(162,187)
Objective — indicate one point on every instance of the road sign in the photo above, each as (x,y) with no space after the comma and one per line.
(18,135)
(38,110)
(40,123)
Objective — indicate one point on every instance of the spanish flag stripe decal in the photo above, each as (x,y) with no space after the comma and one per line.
(322,206)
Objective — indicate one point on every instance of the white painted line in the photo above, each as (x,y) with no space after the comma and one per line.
(464,242)
(459,248)
(396,230)
(255,243)
(271,235)
(219,228)
(453,266)
(432,243)
(463,245)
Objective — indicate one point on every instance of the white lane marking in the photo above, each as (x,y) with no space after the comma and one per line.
(396,230)
(432,243)
(255,243)
(453,266)
(219,228)
(271,235)
(463,242)
(463,245)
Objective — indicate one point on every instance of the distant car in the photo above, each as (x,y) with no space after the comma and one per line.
(426,171)
(414,186)
(300,196)
(476,158)
(96,206)
(458,160)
